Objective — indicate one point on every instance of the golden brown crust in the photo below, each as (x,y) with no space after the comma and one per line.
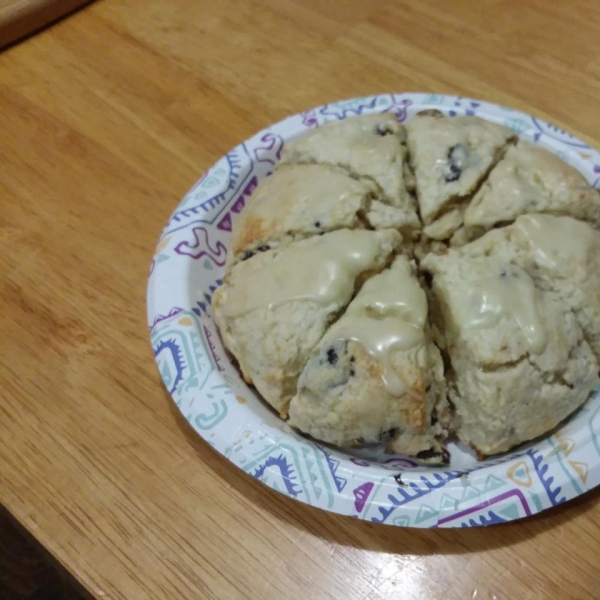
(253,232)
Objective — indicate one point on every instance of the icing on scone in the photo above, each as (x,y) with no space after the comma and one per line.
(558,240)
(320,270)
(388,315)
(510,293)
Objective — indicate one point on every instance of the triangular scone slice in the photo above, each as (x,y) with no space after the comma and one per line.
(369,147)
(530,179)
(450,156)
(273,309)
(375,374)
(564,257)
(299,201)
(520,361)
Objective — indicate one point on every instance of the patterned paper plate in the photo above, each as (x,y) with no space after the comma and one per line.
(186,271)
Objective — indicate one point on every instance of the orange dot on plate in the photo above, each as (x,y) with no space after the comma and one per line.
(162,245)
(241,399)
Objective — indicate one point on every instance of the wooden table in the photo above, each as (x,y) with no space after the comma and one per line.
(105,120)
(19,18)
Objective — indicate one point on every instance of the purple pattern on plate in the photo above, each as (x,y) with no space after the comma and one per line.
(361,493)
(488,503)
(208,335)
(271,152)
(399,108)
(226,223)
(309,118)
(596,183)
(194,249)
(160,318)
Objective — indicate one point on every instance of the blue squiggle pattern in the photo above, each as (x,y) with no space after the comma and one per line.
(491,519)
(333,464)
(555,133)
(235,162)
(287,474)
(414,491)
(541,468)
(346,108)
(172,346)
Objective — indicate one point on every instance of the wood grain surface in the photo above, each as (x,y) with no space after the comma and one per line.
(106,119)
(19,18)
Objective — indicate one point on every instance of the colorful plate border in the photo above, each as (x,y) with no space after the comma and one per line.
(185,272)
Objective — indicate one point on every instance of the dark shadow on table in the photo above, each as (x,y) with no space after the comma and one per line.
(28,571)
(372,536)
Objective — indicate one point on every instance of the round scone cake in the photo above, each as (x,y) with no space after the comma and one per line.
(399,285)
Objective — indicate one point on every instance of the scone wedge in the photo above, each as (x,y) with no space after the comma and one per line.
(530,179)
(563,256)
(375,375)
(273,308)
(300,201)
(450,157)
(520,362)
(370,148)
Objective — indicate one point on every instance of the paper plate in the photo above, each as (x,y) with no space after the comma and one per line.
(187,269)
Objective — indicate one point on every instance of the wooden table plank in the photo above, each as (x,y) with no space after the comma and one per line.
(106,119)
(19,18)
